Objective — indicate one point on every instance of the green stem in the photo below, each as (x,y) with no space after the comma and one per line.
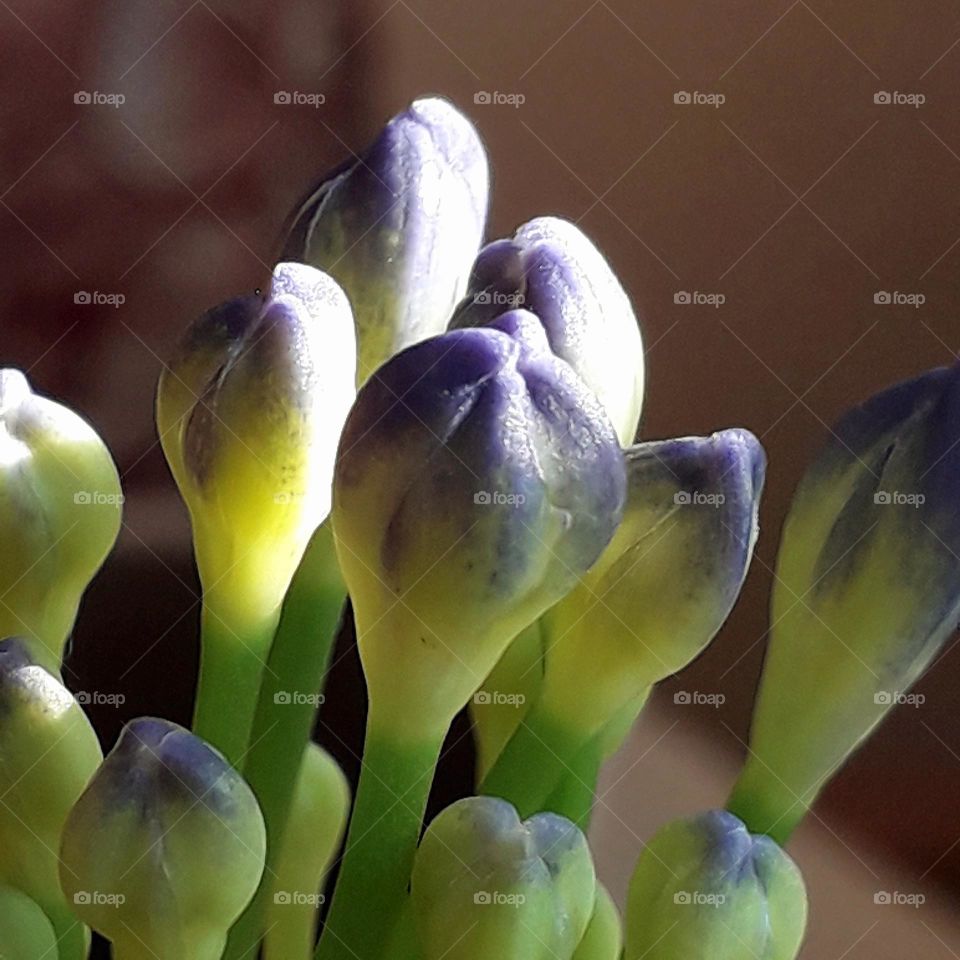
(232,660)
(371,892)
(573,797)
(539,754)
(765,804)
(286,709)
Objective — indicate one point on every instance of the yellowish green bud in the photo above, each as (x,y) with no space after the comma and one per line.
(60,507)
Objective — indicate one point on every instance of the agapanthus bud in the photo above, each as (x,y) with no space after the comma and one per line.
(867,591)
(321,805)
(60,505)
(48,753)
(477,479)
(399,227)
(165,847)
(705,889)
(249,413)
(653,601)
(25,931)
(487,885)
(603,939)
(551,268)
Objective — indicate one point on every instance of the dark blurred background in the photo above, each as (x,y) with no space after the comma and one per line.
(827,175)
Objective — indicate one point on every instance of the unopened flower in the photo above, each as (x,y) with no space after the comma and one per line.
(551,268)
(867,591)
(60,506)
(399,226)
(165,847)
(652,602)
(249,413)
(487,885)
(48,753)
(706,889)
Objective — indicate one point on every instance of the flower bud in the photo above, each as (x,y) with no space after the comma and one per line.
(165,847)
(867,591)
(603,939)
(551,268)
(705,889)
(25,932)
(48,753)
(249,413)
(666,583)
(487,885)
(652,602)
(399,227)
(321,804)
(477,478)
(60,505)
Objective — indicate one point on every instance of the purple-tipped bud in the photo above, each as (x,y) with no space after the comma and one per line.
(399,227)
(552,269)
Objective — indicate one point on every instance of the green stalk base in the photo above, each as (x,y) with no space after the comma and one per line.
(232,661)
(574,796)
(289,697)
(540,753)
(371,892)
(765,805)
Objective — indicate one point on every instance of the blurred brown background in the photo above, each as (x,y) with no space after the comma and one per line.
(796,201)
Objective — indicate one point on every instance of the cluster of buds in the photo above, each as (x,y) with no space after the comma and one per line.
(448,433)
